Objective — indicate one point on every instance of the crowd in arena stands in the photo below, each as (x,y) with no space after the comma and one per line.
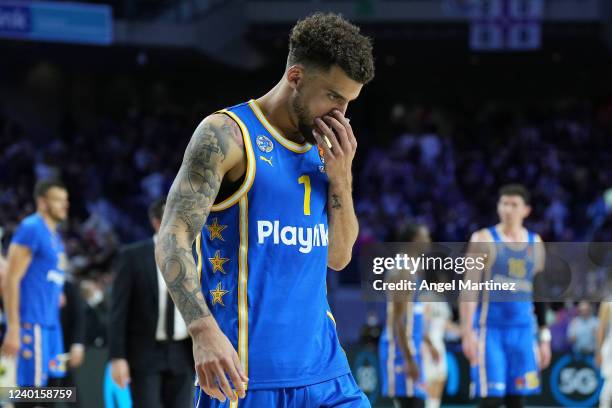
(443,169)
(439,166)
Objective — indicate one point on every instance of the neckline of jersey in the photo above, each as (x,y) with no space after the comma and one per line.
(289,144)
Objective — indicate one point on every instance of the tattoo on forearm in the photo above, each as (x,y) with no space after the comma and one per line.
(335,201)
(181,278)
(191,196)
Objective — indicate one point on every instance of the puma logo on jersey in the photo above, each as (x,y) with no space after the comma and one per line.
(269,161)
(305,237)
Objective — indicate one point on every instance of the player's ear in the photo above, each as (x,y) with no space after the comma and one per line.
(294,75)
(40,203)
(527,210)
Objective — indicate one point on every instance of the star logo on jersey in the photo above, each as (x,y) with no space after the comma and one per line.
(27,354)
(217,262)
(264,143)
(27,339)
(217,295)
(269,161)
(215,229)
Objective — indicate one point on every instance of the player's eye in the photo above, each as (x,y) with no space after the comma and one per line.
(332,97)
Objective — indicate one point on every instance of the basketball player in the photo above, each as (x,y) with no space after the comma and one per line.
(603,353)
(264,191)
(437,316)
(498,337)
(34,282)
(401,340)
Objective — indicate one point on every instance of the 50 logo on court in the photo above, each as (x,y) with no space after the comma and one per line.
(575,382)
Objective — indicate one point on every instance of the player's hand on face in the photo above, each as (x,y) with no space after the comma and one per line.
(544,354)
(338,158)
(469,344)
(215,361)
(11,344)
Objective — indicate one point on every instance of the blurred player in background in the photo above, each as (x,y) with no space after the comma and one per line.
(603,353)
(438,318)
(275,176)
(498,337)
(34,282)
(400,344)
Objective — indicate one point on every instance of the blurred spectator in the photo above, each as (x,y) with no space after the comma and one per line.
(582,330)
(96,314)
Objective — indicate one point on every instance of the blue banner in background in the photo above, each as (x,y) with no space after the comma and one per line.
(58,22)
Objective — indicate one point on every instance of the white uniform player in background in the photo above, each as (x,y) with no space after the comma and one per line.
(438,316)
(603,353)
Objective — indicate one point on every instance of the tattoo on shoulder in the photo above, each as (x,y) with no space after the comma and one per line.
(197,182)
(230,127)
(335,201)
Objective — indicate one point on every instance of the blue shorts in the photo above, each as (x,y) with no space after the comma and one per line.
(340,392)
(509,366)
(40,355)
(395,381)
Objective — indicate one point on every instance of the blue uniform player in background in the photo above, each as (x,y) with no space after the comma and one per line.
(34,283)
(499,331)
(403,336)
(265,193)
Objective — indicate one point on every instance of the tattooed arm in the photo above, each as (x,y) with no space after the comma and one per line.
(215,150)
(343,225)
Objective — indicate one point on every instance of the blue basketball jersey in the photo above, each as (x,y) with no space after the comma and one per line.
(262,256)
(510,265)
(395,381)
(43,281)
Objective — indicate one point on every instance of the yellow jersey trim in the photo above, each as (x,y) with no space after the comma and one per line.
(243,278)
(331,316)
(294,147)
(250,171)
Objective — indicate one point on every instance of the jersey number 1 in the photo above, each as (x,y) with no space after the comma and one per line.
(305,180)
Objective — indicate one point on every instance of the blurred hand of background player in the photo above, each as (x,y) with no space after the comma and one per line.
(412,369)
(77,354)
(10,345)
(339,158)
(469,344)
(598,359)
(435,354)
(544,354)
(120,372)
(215,360)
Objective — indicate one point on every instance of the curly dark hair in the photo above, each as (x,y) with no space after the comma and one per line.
(323,40)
